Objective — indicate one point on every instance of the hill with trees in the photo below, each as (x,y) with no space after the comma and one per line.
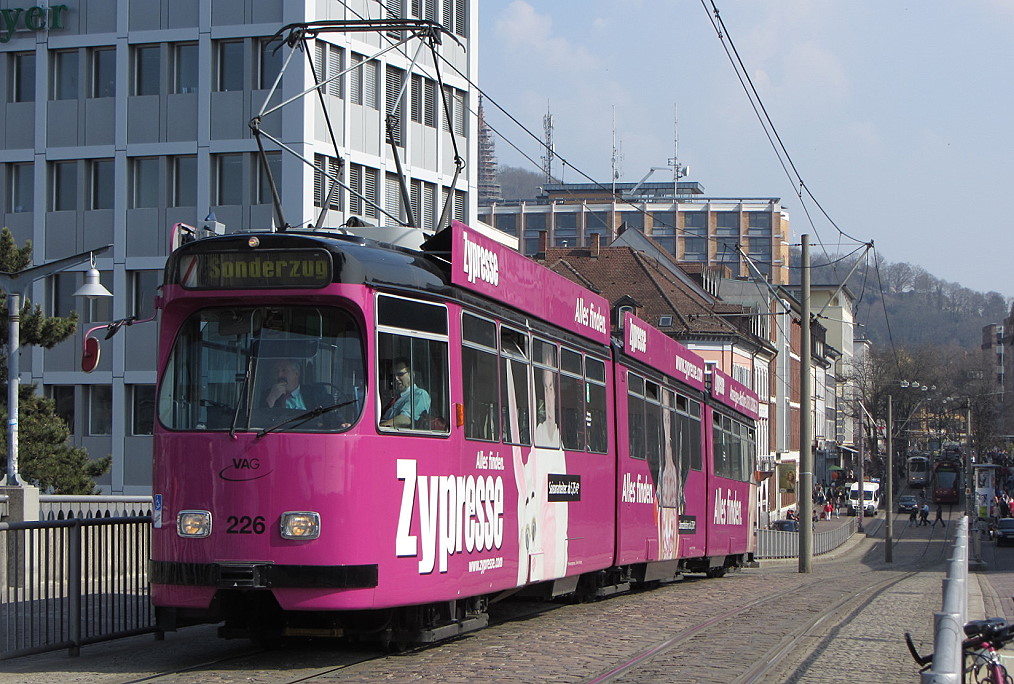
(905,303)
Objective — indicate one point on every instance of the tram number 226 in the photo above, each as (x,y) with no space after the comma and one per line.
(245,525)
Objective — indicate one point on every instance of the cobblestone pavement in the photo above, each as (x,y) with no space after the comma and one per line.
(716,630)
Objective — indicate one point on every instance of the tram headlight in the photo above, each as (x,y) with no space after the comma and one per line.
(193,523)
(300,525)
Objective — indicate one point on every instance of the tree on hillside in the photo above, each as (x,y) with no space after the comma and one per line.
(45,458)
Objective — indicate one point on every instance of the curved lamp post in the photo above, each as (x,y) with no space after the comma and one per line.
(15,284)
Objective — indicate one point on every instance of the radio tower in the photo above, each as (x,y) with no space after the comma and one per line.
(678,170)
(547,159)
(489,186)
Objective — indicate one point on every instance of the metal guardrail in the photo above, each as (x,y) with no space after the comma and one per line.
(948,624)
(67,583)
(778,544)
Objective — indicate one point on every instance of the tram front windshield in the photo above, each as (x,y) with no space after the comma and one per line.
(297,369)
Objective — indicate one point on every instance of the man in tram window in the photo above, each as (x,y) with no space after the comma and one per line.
(409,403)
(288,392)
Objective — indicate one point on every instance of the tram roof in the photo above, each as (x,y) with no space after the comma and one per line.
(356,259)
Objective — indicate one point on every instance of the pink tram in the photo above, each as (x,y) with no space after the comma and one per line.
(361,440)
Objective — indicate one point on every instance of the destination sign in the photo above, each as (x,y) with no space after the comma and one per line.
(262,269)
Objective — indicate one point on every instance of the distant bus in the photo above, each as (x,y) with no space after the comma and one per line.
(918,469)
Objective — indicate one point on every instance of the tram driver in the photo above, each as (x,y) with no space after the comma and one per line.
(409,403)
(288,392)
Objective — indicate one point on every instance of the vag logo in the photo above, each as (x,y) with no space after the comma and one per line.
(242,470)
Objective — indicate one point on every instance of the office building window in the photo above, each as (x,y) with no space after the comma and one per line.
(565,229)
(61,293)
(63,398)
(633,220)
(363,184)
(695,232)
(371,81)
(329,63)
(760,223)
(394,79)
(143,287)
(274,160)
(508,223)
(65,75)
(727,224)
(417,98)
(142,409)
(63,182)
(100,410)
(185,181)
(147,62)
(185,68)
(322,184)
(230,65)
(598,222)
(357,79)
(535,223)
(23,77)
(270,63)
(22,187)
(104,72)
(430,94)
(145,179)
(229,179)
(102,181)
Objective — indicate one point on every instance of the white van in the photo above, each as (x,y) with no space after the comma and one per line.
(871,498)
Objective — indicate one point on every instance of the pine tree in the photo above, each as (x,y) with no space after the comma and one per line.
(45,456)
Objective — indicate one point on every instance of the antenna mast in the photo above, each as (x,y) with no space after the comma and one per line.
(547,160)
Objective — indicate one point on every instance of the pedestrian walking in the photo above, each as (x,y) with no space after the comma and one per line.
(912,515)
(924,514)
(940,516)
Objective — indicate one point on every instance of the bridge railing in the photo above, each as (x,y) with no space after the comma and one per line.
(778,544)
(66,583)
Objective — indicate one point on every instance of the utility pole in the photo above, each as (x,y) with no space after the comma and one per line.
(804,493)
(861,503)
(889,536)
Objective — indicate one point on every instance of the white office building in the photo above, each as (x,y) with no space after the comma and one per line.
(122,118)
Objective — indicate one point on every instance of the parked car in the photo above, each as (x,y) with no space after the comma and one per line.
(907,504)
(788,525)
(1004,533)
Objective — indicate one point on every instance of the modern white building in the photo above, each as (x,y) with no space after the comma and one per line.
(121,118)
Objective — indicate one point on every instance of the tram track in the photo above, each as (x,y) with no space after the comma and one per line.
(816,612)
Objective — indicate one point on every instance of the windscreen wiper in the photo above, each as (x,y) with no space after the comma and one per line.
(305,416)
(242,394)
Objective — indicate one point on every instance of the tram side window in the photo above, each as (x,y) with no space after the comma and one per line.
(635,416)
(721,446)
(547,383)
(480,378)
(598,437)
(689,417)
(734,448)
(652,424)
(514,400)
(412,365)
(572,408)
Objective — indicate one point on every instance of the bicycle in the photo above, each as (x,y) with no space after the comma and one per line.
(981,660)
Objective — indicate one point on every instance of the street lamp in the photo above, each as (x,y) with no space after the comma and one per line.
(14,284)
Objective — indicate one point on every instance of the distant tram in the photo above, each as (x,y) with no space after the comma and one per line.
(946,481)
(918,470)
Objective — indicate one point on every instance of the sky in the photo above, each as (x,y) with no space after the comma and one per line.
(897,115)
